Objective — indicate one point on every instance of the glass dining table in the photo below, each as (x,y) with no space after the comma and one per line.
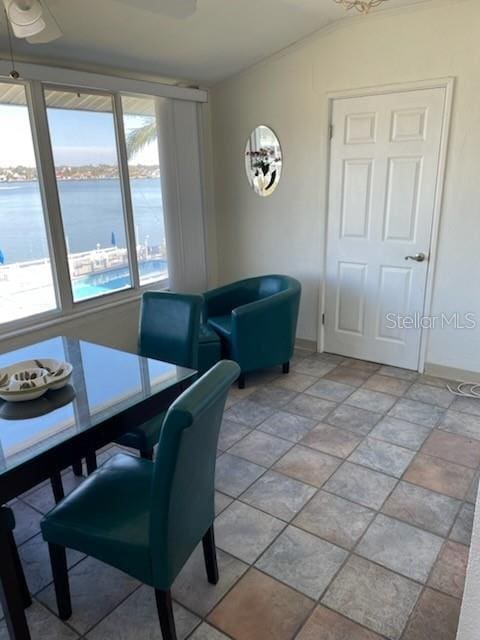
(110,392)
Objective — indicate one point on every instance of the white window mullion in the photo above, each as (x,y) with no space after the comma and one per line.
(126,191)
(49,191)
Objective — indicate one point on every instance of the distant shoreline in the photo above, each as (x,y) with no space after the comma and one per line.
(21,180)
(85,172)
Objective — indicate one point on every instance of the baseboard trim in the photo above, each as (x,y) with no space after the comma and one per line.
(437,370)
(303,343)
(451,373)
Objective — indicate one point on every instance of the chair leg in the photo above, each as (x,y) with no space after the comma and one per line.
(57,487)
(11,592)
(22,582)
(210,555)
(91,460)
(165,614)
(241,381)
(146,454)
(286,367)
(58,558)
(77,468)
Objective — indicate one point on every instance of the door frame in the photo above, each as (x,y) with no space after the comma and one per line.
(448,84)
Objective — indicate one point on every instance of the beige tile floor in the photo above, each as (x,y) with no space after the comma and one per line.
(345,507)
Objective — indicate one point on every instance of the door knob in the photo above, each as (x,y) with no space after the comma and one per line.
(418,257)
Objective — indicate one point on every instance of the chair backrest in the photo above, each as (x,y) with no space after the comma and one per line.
(169,327)
(271,284)
(182,507)
(259,287)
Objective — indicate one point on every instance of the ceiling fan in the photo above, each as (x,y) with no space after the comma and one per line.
(33,20)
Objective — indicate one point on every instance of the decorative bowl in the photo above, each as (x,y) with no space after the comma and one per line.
(30,379)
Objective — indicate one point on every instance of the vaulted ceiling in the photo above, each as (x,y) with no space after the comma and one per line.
(221,38)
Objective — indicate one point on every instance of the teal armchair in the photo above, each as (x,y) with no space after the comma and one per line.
(169,330)
(256,320)
(146,518)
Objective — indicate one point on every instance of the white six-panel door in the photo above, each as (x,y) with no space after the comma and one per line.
(383,173)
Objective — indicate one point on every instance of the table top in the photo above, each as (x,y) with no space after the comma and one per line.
(105,382)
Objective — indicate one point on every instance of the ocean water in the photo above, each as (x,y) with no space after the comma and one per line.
(91,213)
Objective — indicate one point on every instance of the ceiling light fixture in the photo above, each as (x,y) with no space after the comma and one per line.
(25,17)
(31,19)
(362,6)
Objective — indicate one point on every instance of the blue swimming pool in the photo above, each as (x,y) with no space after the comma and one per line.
(98,284)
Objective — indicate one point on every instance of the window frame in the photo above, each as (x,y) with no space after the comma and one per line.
(66,307)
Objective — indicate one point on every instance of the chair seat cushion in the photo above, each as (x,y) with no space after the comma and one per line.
(108,516)
(222,325)
(144,437)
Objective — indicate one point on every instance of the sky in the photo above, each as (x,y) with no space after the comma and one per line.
(78,137)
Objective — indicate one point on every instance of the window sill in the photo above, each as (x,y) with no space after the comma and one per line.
(57,317)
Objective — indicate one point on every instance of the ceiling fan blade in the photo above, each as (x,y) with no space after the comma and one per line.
(179,9)
(51,32)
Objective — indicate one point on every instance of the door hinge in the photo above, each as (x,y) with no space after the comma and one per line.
(330,131)
(323,318)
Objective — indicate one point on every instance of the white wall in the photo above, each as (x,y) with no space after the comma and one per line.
(114,327)
(286,232)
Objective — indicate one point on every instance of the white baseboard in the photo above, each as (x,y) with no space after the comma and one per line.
(437,370)
(451,373)
(308,345)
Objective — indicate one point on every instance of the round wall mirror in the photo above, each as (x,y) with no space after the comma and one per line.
(263,160)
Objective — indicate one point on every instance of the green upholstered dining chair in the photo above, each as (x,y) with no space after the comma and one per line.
(12,578)
(169,330)
(146,518)
(256,320)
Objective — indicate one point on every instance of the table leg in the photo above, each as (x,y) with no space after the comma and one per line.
(77,468)
(57,486)
(22,582)
(91,460)
(12,591)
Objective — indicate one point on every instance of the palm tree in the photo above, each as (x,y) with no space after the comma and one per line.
(139,138)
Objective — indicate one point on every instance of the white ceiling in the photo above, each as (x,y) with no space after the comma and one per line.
(220,39)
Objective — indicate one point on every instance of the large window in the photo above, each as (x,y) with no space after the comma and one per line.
(107,198)
(26,283)
(82,133)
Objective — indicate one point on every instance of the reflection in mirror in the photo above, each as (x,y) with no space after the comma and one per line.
(263,160)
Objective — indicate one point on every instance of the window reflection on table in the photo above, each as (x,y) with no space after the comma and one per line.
(104,382)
